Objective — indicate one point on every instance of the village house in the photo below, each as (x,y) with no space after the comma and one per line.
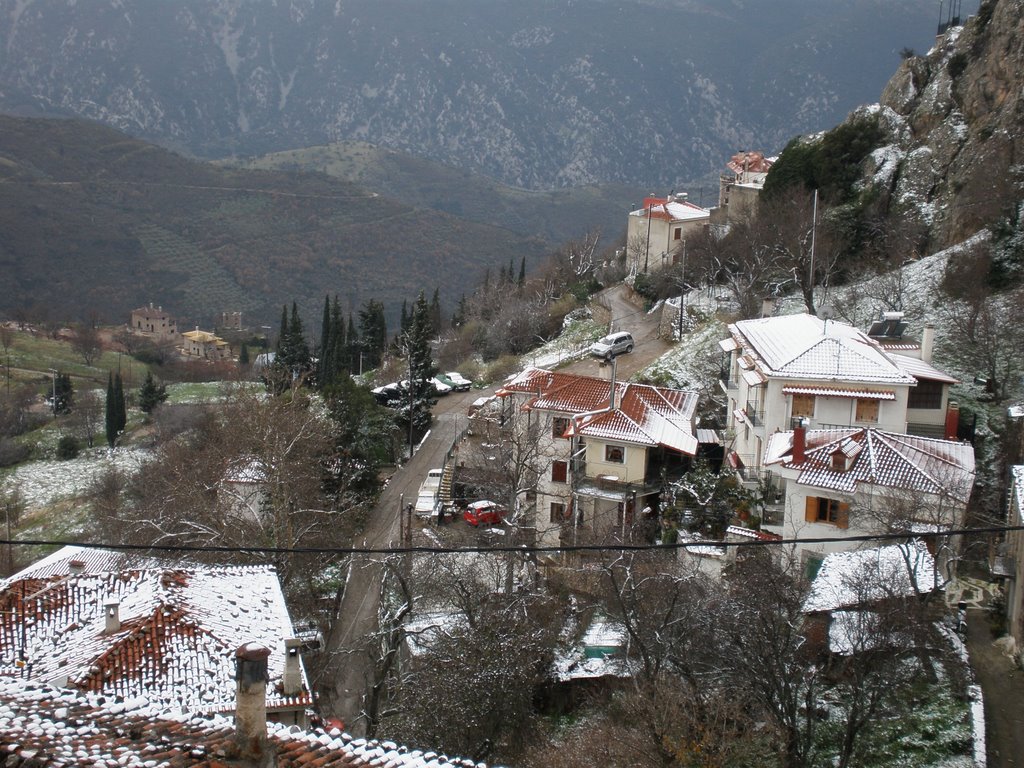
(825,374)
(739,189)
(605,449)
(204,345)
(656,233)
(92,622)
(155,322)
(843,482)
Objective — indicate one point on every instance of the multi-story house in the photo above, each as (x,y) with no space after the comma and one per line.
(204,345)
(840,483)
(825,375)
(603,450)
(656,233)
(1012,561)
(155,322)
(739,189)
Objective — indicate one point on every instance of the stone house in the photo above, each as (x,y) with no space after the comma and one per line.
(657,232)
(155,322)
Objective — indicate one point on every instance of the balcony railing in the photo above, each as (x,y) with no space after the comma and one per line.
(755,412)
(726,382)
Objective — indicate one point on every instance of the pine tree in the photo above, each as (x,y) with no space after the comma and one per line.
(459,316)
(63,393)
(416,417)
(152,394)
(404,322)
(352,347)
(373,333)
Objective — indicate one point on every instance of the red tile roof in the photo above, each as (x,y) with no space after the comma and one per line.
(643,414)
(876,457)
(178,631)
(44,726)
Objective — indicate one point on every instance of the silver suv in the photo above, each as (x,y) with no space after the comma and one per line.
(612,345)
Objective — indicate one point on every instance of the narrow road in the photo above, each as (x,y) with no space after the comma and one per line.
(1002,684)
(350,665)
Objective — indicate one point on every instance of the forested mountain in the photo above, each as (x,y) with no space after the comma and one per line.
(93,221)
(536,93)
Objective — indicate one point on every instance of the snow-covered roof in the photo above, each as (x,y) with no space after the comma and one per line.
(878,458)
(865,576)
(643,414)
(671,209)
(919,369)
(90,560)
(852,632)
(1017,489)
(178,629)
(806,347)
(42,725)
(750,162)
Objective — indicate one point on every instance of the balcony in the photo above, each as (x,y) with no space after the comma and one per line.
(726,383)
(755,413)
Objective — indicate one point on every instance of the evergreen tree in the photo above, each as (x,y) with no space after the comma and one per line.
(339,362)
(293,358)
(435,314)
(511,273)
(283,334)
(352,347)
(110,420)
(459,316)
(522,273)
(120,412)
(373,333)
(63,393)
(404,322)
(243,354)
(415,416)
(152,394)
(325,365)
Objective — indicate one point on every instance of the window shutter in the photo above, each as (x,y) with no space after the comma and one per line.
(843,516)
(811,510)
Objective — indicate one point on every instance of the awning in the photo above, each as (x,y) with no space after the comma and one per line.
(728,345)
(740,415)
(859,394)
(707,436)
(753,378)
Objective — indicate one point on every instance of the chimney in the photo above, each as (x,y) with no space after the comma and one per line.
(952,420)
(799,442)
(767,306)
(251,704)
(291,684)
(112,615)
(76,567)
(927,342)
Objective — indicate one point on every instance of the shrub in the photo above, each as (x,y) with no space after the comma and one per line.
(957,64)
(12,452)
(67,448)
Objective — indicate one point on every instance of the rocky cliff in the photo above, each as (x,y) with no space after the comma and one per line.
(954,124)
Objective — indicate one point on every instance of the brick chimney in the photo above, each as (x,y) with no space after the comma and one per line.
(799,442)
(291,683)
(112,616)
(952,420)
(251,705)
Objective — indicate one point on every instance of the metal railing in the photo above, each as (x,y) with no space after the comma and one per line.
(726,382)
(755,414)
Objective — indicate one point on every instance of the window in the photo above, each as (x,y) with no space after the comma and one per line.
(614,454)
(867,410)
(812,564)
(559,512)
(927,394)
(821,509)
(559,471)
(803,406)
(678,234)
(559,426)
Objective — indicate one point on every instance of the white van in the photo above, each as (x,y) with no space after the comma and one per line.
(612,345)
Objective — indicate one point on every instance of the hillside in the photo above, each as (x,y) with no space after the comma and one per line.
(537,93)
(92,220)
(556,215)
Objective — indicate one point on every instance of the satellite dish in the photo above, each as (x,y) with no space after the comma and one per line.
(826,311)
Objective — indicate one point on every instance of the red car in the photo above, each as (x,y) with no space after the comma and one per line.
(485,512)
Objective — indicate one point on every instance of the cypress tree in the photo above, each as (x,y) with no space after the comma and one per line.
(283,334)
(120,413)
(325,365)
(352,346)
(110,413)
(522,273)
(243,354)
(339,363)
(435,314)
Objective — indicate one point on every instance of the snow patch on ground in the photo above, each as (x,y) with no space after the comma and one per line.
(42,483)
(578,333)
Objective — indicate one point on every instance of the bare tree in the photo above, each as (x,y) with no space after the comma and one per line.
(86,341)
(87,416)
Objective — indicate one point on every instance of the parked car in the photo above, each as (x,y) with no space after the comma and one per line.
(459,382)
(440,387)
(612,345)
(389,394)
(483,512)
(426,503)
(433,480)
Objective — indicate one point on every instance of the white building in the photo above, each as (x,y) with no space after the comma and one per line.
(656,233)
(828,374)
(841,483)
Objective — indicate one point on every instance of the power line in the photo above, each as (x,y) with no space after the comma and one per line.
(524,548)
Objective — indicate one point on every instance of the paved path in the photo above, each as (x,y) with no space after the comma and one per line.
(350,665)
(1002,683)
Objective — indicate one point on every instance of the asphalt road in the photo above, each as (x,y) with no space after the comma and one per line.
(349,664)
